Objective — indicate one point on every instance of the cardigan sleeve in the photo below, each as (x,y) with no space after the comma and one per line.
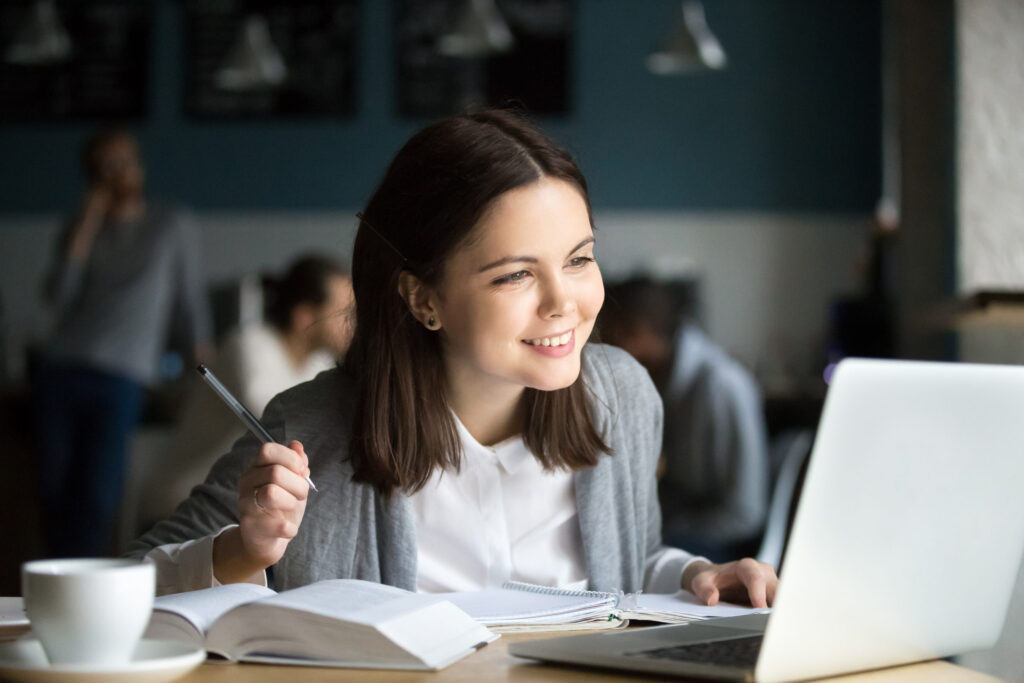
(663,565)
(617,500)
(188,566)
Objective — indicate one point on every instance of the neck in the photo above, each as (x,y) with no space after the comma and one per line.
(297,346)
(128,209)
(490,414)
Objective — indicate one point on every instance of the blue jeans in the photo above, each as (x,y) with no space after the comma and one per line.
(84,418)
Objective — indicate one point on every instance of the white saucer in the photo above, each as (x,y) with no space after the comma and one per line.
(155,661)
(12,612)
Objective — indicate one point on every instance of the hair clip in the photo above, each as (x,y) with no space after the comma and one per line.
(381,237)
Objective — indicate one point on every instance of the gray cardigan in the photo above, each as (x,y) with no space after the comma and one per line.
(349,531)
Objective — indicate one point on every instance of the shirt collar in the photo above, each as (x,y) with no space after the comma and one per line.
(510,454)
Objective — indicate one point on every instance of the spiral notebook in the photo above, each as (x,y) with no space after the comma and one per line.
(520,606)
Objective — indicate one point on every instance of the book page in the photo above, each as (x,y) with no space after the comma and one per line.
(340,598)
(202,607)
(505,605)
(684,604)
(347,622)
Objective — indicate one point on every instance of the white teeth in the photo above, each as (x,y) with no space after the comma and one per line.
(550,341)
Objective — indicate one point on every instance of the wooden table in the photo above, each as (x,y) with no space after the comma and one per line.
(494,663)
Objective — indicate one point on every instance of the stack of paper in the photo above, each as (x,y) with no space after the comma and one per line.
(527,607)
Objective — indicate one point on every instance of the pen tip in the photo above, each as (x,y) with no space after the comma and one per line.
(201,369)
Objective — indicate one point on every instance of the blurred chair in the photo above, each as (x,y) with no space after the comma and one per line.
(789,455)
(236,303)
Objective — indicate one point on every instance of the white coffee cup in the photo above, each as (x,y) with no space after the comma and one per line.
(88,611)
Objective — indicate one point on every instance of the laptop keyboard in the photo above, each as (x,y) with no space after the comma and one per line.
(736,652)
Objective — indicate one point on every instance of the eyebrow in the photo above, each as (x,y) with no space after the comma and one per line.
(530,259)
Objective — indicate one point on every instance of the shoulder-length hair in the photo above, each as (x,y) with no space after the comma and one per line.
(431,198)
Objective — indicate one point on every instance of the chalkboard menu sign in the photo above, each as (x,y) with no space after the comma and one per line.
(268,59)
(62,61)
(530,68)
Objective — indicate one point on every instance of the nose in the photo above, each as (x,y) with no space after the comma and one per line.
(557,299)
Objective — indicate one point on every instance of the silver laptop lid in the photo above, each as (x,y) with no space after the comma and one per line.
(910,527)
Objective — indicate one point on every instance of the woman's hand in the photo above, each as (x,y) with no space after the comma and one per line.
(271,503)
(742,581)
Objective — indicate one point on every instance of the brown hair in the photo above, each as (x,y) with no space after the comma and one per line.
(305,282)
(431,198)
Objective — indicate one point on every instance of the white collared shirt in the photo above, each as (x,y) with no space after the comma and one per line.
(500,517)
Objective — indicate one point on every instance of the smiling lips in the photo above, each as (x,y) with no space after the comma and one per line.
(557,340)
(556,346)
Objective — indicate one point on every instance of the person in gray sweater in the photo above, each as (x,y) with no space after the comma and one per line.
(473,435)
(714,483)
(123,270)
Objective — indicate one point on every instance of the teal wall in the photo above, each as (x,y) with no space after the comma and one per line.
(793,123)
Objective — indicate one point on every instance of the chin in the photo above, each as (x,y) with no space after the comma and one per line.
(555,381)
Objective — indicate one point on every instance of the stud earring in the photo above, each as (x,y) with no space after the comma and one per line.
(431,322)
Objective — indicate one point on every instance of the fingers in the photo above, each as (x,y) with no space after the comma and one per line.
(280,466)
(272,501)
(735,581)
(275,485)
(292,456)
(297,447)
(705,586)
(751,574)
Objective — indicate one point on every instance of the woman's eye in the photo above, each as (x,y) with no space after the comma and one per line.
(580,261)
(517,276)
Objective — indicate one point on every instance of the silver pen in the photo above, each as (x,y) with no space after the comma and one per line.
(250,421)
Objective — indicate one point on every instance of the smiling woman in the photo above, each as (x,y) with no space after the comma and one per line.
(493,223)
(474,436)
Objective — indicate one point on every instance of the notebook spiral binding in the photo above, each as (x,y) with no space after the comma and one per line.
(622,600)
(549,590)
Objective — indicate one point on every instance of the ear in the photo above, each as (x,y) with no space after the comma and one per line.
(420,300)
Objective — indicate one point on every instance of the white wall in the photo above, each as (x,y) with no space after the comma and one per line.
(767,278)
(990,199)
(990,145)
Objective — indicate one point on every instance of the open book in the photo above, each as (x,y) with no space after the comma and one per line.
(520,606)
(342,622)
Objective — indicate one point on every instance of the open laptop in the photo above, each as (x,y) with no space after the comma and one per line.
(905,546)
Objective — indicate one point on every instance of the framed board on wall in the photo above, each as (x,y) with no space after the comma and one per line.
(270,58)
(65,61)
(533,70)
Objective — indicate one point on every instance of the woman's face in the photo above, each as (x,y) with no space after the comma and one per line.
(518,302)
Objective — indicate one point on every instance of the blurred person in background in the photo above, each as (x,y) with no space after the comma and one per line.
(307,329)
(714,485)
(125,273)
